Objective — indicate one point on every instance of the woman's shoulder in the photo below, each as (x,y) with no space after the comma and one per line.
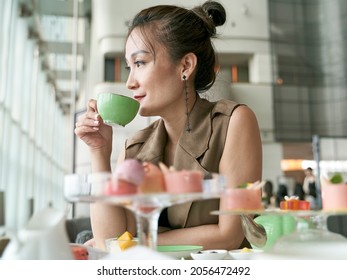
(224,106)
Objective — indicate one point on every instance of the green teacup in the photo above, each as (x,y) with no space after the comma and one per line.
(116,109)
(275,226)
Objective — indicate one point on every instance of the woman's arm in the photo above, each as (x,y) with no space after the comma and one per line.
(108,220)
(241,162)
(242,157)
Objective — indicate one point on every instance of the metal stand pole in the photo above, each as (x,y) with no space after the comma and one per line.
(316,156)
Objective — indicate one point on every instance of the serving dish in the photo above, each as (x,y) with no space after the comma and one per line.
(209,255)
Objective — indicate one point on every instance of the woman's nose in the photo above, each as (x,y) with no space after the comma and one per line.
(131,82)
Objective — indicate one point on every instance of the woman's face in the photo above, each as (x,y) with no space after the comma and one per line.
(155,81)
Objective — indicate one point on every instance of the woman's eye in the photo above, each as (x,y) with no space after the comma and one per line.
(138,63)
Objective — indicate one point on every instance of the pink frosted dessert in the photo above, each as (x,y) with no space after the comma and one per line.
(153,181)
(183,181)
(126,178)
(130,170)
(119,187)
(334,196)
(242,199)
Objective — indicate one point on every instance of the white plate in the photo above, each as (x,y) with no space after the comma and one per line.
(209,255)
(179,251)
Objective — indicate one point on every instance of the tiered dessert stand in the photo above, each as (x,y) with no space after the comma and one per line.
(146,207)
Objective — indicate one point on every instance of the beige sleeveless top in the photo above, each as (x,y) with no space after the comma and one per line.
(200,149)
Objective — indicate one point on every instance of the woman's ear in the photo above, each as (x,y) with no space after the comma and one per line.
(188,63)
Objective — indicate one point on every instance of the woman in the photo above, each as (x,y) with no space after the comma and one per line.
(171,59)
(309,187)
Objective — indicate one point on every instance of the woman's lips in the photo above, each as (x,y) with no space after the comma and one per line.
(139,97)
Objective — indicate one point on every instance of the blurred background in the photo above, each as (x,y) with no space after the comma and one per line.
(285,59)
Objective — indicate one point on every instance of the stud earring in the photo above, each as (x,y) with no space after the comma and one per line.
(186,101)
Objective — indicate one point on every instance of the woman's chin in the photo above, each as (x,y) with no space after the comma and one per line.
(145,113)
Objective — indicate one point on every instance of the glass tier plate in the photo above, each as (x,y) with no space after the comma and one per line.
(154,199)
(278,211)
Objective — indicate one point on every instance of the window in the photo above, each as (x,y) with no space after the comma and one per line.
(32,124)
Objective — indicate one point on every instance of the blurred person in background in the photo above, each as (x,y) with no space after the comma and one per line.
(309,187)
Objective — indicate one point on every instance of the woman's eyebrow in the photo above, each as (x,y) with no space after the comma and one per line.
(136,53)
(139,52)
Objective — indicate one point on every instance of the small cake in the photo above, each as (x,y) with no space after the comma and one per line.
(334,196)
(121,243)
(239,199)
(183,181)
(130,170)
(126,178)
(119,187)
(153,181)
(79,252)
(294,203)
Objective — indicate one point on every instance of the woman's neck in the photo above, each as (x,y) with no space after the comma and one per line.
(175,125)
(174,131)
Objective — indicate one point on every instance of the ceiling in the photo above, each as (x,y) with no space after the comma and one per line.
(61,28)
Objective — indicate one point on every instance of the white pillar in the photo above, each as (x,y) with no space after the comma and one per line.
(260,68)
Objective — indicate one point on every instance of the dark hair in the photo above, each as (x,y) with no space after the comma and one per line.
(182,31)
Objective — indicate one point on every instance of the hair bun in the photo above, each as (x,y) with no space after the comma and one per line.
(215,11)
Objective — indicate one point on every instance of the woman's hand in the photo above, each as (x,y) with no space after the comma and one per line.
(91,129)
